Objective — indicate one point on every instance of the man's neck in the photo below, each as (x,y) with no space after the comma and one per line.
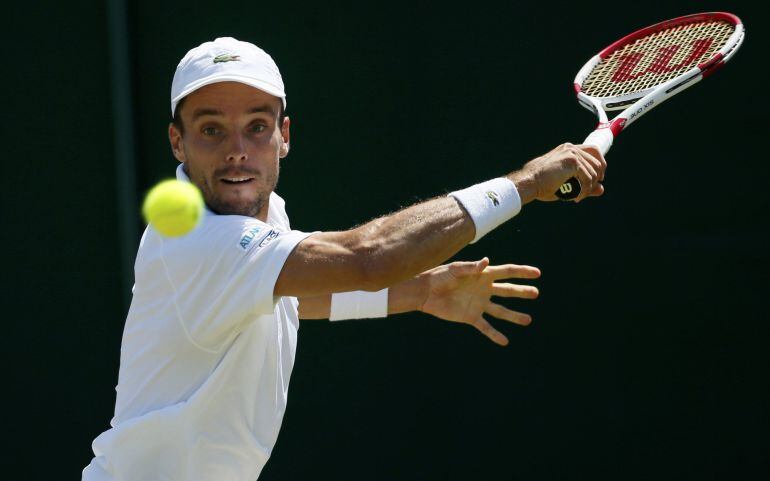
(263,213)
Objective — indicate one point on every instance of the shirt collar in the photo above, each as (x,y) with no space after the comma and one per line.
(181,174)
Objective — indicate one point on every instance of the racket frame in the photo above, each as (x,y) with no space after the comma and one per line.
(636,104)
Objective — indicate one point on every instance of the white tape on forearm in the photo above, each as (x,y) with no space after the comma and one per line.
(359,305)
(489,204)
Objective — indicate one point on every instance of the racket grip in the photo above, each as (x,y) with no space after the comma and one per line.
(601,139)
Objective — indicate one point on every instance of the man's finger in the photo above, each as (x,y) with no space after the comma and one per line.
(511,271)
(462,269)
(596,153)
(514,290)
(586,175)
(506,314)
(598,168)
(595,158)
(493,334)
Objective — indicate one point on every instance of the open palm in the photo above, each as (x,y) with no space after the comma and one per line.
(462,292)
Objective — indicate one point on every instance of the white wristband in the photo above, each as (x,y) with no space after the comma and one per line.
(359,305)
(489,204)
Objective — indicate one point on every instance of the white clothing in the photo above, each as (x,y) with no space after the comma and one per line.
(206,356)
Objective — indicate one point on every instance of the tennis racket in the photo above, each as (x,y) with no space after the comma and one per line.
(641,70)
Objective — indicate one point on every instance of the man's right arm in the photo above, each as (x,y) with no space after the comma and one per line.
(396,247)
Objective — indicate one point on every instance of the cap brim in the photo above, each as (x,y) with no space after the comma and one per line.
(263,86)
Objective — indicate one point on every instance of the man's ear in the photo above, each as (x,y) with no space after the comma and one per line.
(285,136)
(175,139)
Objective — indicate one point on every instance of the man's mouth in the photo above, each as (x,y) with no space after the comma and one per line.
(237,180)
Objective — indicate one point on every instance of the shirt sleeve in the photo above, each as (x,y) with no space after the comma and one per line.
(224,275)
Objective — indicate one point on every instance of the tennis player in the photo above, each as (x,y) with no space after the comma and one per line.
(210,338)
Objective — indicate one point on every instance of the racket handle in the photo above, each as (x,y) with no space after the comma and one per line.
(601,139)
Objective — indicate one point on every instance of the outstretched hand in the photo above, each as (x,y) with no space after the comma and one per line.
(462,291)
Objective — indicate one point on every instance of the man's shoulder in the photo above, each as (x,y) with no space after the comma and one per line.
(215,234)
(227,232)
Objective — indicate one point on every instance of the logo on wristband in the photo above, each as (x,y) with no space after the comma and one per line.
(494,197)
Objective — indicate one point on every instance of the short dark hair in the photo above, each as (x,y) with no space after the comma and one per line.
(177,120)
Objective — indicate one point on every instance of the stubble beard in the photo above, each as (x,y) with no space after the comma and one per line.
(249,208)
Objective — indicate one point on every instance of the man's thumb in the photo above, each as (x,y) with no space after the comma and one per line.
(462,269)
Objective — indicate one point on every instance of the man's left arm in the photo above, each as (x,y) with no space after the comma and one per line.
(458,292)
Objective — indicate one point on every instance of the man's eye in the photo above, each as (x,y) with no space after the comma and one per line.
(210,131)
(257,128)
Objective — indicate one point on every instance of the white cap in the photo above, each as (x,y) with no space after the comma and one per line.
(226,59)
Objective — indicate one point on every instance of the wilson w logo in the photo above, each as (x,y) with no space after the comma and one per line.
(628,63)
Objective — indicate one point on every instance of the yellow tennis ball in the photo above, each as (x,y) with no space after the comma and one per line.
(173,207)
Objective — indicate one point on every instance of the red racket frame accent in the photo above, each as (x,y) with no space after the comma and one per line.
(674,22)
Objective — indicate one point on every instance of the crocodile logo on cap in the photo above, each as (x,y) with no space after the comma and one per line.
(226,57)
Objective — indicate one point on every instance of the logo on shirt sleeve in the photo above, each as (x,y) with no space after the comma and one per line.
(249,236)
(259,235)
(269,238)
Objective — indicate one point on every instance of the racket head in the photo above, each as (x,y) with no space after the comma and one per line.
(639,63)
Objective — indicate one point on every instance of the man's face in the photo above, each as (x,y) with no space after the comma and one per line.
(231,146)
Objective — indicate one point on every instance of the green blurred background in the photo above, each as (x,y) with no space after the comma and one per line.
(648,355)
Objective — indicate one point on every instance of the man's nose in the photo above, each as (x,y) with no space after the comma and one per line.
(237,149)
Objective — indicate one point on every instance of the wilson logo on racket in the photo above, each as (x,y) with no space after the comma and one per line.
(619,125)
(628,62)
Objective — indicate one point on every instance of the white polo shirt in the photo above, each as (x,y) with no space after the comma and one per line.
(206,355)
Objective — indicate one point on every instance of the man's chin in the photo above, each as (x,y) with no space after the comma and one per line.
(248,209)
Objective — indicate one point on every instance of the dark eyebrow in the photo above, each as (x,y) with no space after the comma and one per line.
(201,112)
(263,108)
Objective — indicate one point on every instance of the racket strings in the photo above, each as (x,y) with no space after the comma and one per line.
(656,58)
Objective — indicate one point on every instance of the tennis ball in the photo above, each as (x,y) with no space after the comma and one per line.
(173,207)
